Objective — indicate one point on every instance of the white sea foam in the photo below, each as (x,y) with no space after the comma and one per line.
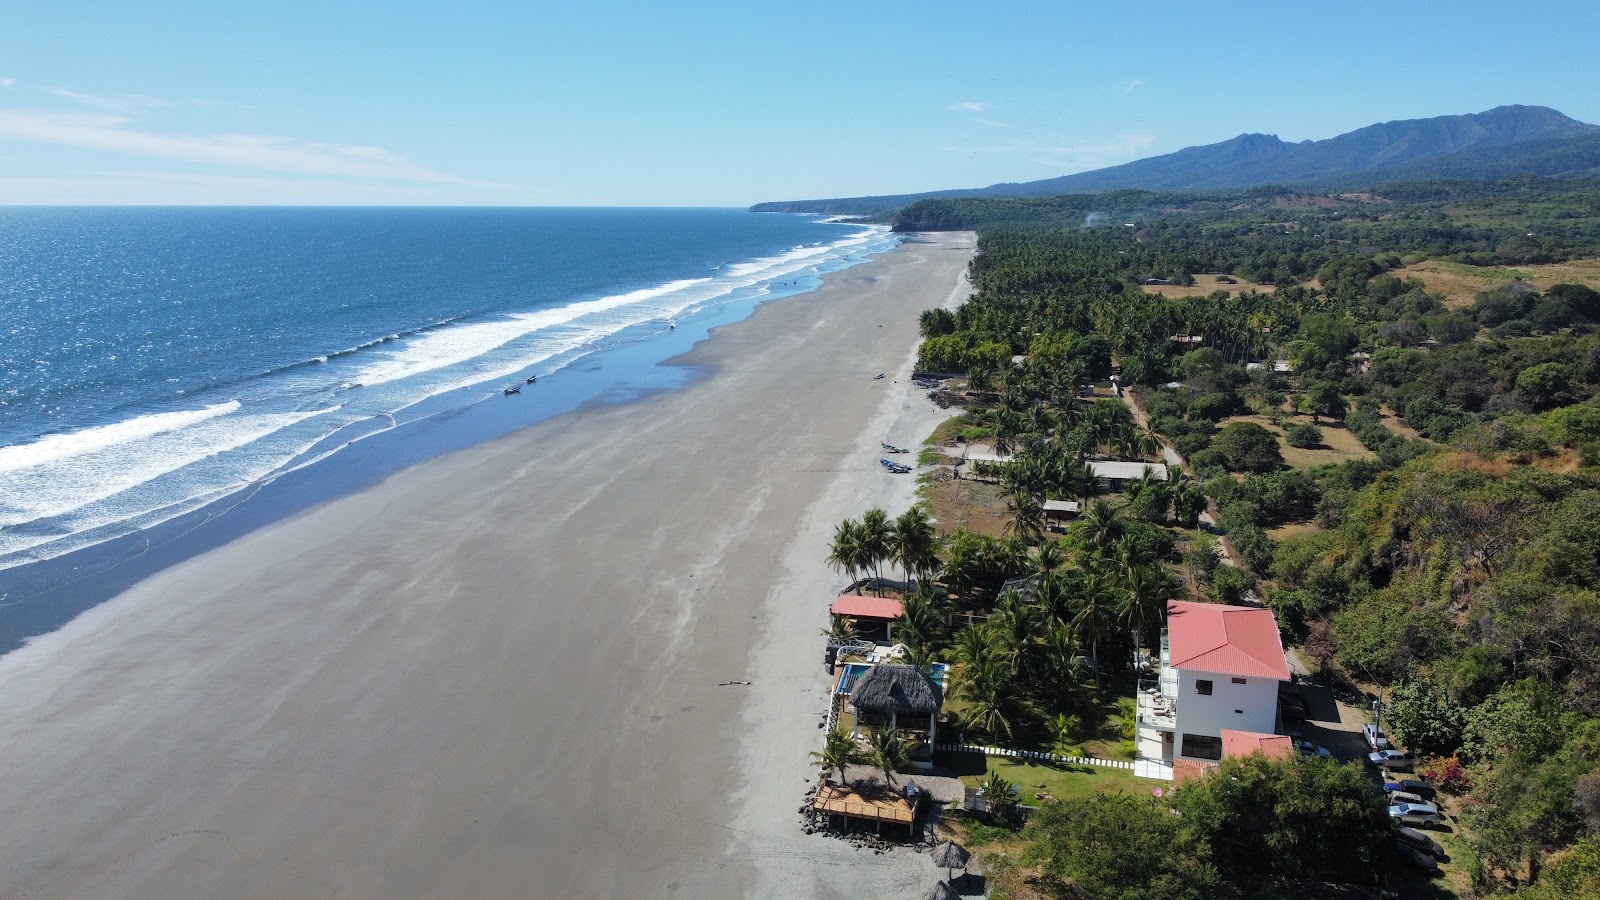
(453,344)
(70,483)
(54,447)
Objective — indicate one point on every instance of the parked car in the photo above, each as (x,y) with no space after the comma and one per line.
(1404,797)
(1415,814)
(1420,841)
(1411,786)
(1376,739)
(1316,750)
(1391,759)
(1416,857)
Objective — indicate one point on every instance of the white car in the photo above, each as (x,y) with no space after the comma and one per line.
(1376,739)
(1415,814)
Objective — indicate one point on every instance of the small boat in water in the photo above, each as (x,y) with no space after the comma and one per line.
(514,389)
(878,377)
(532,378)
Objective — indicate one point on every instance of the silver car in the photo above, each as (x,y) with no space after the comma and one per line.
(1423,814)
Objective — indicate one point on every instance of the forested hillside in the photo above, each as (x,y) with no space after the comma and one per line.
(1449,564)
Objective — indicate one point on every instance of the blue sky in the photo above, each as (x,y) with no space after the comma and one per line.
(711,104)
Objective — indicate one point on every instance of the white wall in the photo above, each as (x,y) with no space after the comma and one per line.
(1200,714)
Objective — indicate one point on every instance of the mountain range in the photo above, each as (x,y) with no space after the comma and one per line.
(1502,142)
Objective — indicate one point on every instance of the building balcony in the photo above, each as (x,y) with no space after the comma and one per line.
(1156,708)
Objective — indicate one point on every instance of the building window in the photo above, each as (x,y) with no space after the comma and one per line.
(1239,681)
(1202,686)
(1201,746)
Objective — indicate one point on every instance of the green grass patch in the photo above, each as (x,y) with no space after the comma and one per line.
(1061,782)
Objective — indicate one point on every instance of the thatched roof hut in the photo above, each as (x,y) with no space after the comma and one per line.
(892,690)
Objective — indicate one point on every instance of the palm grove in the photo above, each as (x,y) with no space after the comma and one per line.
(1452,568)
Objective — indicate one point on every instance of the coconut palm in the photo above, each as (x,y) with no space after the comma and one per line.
(876,542)
(973,646)
(1097,596)
(1101,526)
(1051,596)
(840,750)
(845,553)
(1027,518)
(1047,557)
(994,705)
(890,752)
(1188,502)
(912,541)
(1145,593)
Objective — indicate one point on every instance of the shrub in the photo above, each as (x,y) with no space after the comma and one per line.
(1230,582)
(1303,436)
(1446,773)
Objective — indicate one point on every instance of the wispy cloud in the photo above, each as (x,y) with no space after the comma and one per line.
(968,106)
(1133,85)
(8,83)
(125,103)
(113,134)
(991,123)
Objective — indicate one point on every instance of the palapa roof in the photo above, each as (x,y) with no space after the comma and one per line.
(941,891)
(950,855)
(901,690)
(1230,640)
(862,607)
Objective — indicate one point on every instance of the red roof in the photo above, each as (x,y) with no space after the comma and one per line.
(1244,743)
(859,607)
(1230,640)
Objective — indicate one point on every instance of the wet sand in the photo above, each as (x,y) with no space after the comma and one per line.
(496,674)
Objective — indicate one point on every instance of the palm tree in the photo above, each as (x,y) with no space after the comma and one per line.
(1096,598)
(993,704)
(1012,629)
(876,543)
(912,541)
(839,751)
(973,646)
(890,752)
(1100,526)
(1188,502)
(1145,594)
(1027,518)
(1047,557)
(845,553)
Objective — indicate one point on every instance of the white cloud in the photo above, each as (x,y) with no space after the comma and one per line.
(969,106)
(991,123)
(122,103)
(1133,85)
(112,134)
(8,83)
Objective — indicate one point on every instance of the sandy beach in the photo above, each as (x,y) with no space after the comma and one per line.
(497,673)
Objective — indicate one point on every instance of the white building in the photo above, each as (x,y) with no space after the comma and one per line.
(1220,669)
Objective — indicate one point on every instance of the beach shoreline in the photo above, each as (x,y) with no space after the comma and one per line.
(499,672)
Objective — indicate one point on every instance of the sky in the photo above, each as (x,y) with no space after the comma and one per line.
(717,104)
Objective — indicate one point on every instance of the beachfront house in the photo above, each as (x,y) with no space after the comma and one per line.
(1216,693)
(1116,473)
(900,697)
(874,617)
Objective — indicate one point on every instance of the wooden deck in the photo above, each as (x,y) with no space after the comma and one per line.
(842,801)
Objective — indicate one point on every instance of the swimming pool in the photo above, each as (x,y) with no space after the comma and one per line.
(853,671)
(847,678)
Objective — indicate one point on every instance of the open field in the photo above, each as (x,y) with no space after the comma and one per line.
(1338,444)
(1460,283)
(1203,285)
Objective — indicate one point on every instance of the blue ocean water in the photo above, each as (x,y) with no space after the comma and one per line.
(158,359)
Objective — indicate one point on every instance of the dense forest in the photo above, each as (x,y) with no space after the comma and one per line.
(1451,569)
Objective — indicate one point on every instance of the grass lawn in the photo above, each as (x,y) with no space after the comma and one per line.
(1338,444)
(965,503)
(1203,286)
(1060,782)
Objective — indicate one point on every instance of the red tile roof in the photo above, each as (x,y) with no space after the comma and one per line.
(1244,743)
(1230,640)
(859,607)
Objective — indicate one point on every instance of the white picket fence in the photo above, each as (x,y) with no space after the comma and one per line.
(1037,755)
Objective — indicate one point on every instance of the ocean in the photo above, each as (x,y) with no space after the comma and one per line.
(158,361)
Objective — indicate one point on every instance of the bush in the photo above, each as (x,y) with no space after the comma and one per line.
(1231,582)
(1446,773)
(1247,447)
(1303,436)
(1190,444)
